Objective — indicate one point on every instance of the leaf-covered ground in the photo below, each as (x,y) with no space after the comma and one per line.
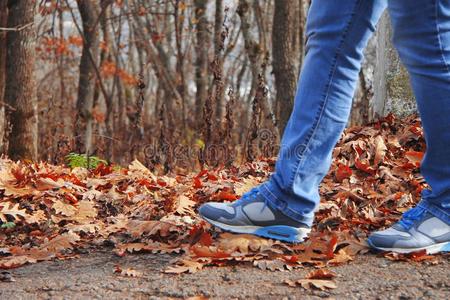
(54,212)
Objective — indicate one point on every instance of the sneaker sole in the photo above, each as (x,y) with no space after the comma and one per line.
(432,249)
(276,232)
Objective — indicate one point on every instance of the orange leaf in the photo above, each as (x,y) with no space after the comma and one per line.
(204,251)
(321,274)
(414,157)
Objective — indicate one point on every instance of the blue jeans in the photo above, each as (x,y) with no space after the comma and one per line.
(337,33)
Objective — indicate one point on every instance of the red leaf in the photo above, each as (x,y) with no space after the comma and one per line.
(223,195)
(206,239)
(363,166)
(103,170)
(197,183)
(201,173)
(332,246)
(343,172)
(212,177)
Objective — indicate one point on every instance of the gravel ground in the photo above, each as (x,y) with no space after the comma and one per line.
(92,277)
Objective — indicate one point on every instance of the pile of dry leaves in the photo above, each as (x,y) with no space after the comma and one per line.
(49,211)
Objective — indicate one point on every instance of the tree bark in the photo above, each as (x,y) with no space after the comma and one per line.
(20,88)
(86,84)
(392,88)
(201,63)
(384,34)
(218,49)
(3,23)
(285,53)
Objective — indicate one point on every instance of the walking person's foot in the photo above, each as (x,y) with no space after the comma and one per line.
(418,230)
(252,214)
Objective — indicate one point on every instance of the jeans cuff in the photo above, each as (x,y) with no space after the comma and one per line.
(435,210)
(275,202)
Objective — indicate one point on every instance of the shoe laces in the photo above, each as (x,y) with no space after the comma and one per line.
(248,197)
(410,217)
(251,196)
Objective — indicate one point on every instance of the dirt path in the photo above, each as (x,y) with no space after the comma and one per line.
(91,276)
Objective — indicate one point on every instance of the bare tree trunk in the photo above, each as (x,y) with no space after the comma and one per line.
(285,53)
(392,88)
(86,84)
(20,88)
(201,64)
(3,23)
(381,68)
(218,48)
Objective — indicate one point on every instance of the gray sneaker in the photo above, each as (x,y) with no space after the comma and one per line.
(417,230)
(252,214)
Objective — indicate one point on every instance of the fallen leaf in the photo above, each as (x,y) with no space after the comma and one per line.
(138,228)
(321,274)
(343,172)
(128,272)
(245,185)
(61,242)
(11,262)
(211,252)
(272,265)
(185,266)
(139,167)
(184,206)
(146,247)
(65,209)
(13,210)
(380,150)
(244,243)
(313,283)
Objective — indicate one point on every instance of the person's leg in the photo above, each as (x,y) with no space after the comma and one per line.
(422,38)
(337,33)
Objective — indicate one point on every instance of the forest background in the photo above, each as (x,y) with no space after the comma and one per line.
(172,83)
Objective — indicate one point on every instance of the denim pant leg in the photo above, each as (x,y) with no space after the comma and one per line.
(337,33)
(422,38)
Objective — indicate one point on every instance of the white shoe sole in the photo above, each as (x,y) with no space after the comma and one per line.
(432,249)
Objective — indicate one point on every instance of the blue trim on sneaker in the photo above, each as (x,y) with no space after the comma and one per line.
(276,232)
(280,232)
(446,248)
(406,236)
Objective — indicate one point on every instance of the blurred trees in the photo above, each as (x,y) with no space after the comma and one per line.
(172,83)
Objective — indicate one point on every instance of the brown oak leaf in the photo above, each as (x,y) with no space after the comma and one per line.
(138,228)
(13,210)
(61,242)
(320,284)
(185,266)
